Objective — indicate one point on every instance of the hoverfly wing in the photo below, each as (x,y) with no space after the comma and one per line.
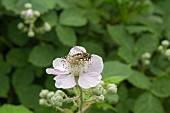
(77,50)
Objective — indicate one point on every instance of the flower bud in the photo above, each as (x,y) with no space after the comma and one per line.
(50,94)
(44,93)
(101,83)
(37,13)
(20,25)
(161,48)
(165,43)
(167,52)
(146,55)
(98,90)
(47,26)
(60,93)
(146,62)
(29,13)
(100,98)
(22,14)
(42,101)
(31,33)
(28,5)
(112,88)
(57,100)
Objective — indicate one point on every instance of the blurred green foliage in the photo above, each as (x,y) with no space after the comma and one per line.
(118,30)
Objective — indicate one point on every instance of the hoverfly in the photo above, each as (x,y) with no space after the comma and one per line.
(78,58)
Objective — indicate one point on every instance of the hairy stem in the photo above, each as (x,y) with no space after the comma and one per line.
(81,99)
(59,109)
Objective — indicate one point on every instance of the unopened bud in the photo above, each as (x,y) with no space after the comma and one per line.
(29,13)
(101,83)
(167,52)
(165,43)
(112,88)
(50,94)
(100,98)
(47,26)
(161,48)
(60,93)
(146,55)
(28,5)
(44,93)
(57,100)
(42,101)
(20,25)
(31,33)
(37,13)
(23,13)
(146,62)
(98,90)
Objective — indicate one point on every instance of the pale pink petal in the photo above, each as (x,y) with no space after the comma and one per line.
(77,49)
(65,81)
(55,71)
(60,64)
(95,64)
(88,80)
(29,13)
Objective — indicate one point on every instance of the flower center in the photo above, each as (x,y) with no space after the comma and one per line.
(76,69)
(77,62)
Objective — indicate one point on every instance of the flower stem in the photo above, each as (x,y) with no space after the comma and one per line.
(60,109)
(81,99)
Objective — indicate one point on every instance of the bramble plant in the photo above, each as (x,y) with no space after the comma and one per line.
(81,71)
(30,16)
(126,68)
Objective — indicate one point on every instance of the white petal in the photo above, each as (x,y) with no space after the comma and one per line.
(65,81)
(55,71)
(88,80)
(95,64)
(60,64)
(77,49)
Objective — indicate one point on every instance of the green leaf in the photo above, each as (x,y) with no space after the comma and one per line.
(72,17)
(17,57)
(14,5)
(5,85)
(120,36)
(66,35)
(161,86)
(22,77)
(5,66)
(94,48)
(139,80)
(16,36)
(128,55)
(147,103)
(43,109)
(105,105)
(42,55)
(43,6)
(7,108)
(29,95)
(159,65)
(114,68)
(146,43)
(112,98)
(113,73)
(132,29)
(50,83)
(65,4)
(115,79)
(50,17)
